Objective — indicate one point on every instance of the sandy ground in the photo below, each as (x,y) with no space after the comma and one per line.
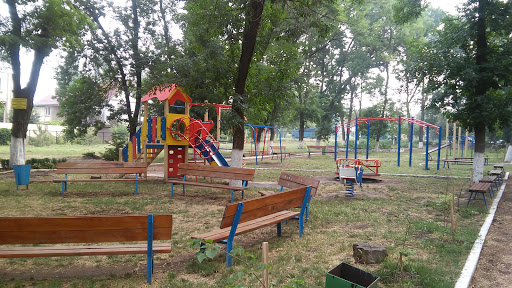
(495,264)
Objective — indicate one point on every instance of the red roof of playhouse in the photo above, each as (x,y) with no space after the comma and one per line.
(173,93)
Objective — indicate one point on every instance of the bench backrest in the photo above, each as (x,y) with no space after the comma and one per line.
(293,181)
(101,167)
(221,172)
(266,205)
(82,229)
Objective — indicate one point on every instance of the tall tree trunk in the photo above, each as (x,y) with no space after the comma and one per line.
(483,85)
(253,20)
(302,121)
(422,117)
(21,117)
(138,70)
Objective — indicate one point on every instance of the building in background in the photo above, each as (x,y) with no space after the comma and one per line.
(47,107)
(5,94)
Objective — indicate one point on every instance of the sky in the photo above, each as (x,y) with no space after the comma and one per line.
(47,83)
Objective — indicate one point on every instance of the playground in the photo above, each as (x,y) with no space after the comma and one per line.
(399,212)
(401,198)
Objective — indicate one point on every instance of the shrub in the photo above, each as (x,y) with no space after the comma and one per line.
(42,138)
(119,136)
(45,163)
(88,139)
(5,136)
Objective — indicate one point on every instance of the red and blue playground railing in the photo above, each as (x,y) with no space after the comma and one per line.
(370,165)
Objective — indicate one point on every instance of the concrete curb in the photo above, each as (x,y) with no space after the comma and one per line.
(472,261)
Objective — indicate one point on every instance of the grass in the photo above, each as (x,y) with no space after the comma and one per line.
(398,212)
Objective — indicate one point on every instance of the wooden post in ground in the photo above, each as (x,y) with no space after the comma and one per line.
(447,136)
(466,145)
(453,139)
(120,154)
(166,146)
(458,142)
(264,247)
(452,213)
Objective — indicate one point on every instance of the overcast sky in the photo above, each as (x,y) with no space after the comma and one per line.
(47,83)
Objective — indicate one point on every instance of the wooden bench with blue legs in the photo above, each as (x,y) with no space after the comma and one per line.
(85,229)
(250,215)
(492,180)
(291,181)
(500,166)
(479,188)
(276,151)
(219,172)
(498,174)
(95,168)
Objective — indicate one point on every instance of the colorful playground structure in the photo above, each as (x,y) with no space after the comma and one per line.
(174,133)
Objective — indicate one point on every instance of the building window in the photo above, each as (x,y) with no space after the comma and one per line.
(47,111)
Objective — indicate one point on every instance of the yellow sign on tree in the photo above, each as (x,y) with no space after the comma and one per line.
(19,103)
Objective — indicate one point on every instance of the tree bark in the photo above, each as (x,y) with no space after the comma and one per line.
(253,20)
(482,86)
(21,117)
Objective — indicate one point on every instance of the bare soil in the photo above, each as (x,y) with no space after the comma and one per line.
(495,261)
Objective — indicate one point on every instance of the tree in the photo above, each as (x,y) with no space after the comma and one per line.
(40,27)
(112,59)
(475,50)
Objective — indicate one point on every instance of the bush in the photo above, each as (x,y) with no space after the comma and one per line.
(5,136)
(88,139)
(119,136)
(45,163)
(42,138)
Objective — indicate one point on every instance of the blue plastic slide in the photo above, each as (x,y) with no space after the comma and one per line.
(217,156)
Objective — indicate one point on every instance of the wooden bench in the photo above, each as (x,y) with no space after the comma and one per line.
(250,215)
(291,181)
(323,149)
(498,174)
(85,229)
(276,151)
(492,180)
(101,168)
(500,166)
(482,188)
(486,159)
(458,162)
(220,172)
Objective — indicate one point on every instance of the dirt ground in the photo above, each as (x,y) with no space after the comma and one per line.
(495,262)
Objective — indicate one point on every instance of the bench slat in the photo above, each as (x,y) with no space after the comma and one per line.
(100,180)
(222,234)
(102,170)
(16,252)
(208,185)
(82,229)
(293,181)
(216,171)
(265,205)
(100,164)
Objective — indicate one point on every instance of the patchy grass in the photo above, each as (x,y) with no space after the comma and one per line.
(397,212)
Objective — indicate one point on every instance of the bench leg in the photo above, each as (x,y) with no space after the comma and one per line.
(279,229)
(149,259)
(469,200)
(232,196)
(172,190)
(136,184)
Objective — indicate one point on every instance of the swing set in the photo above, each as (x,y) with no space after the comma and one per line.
(373,164)
(266,150)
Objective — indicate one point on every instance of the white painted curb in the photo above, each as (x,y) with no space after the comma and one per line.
(472,261)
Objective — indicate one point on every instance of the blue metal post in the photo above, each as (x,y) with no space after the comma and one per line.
(232,232)
(367,139)
(335,142)
(410,143)
(439,146)
(303,210)
(426,149)
(149,259)
(280,146)
(398,140)
(348,136)
(355,143)
(136,184)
